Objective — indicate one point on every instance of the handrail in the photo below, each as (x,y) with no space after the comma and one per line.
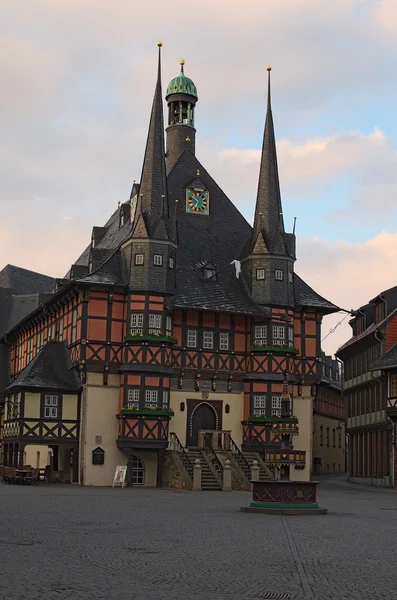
(175,444)
(235,450)
(214,463)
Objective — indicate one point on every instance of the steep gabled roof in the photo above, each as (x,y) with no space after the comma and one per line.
(50,369)
(387,361)
(305,296)
(369,331)
(24,281)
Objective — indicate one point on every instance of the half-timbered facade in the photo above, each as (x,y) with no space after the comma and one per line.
(183,320)
(368,362)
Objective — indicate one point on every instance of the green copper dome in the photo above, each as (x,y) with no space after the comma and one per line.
(181,85)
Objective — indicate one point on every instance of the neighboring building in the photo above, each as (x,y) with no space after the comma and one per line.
(21,292)
(170,338)
(329,437)
(366,357)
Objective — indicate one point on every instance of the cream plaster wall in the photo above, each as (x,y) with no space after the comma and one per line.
(231,421)
(31,457)
(303,410)
(329,455)
(99,408)
(32,406)
(69,406)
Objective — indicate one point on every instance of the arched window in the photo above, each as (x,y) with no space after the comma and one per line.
(138,471)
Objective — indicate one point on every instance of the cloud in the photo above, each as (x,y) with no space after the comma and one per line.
(347,274)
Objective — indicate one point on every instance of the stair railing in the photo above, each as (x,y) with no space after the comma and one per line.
(175,444)
(214,463)
(240,458)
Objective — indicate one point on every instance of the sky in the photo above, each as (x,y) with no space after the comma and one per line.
(77,82)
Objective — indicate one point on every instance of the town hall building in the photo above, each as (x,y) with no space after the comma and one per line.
(180,331)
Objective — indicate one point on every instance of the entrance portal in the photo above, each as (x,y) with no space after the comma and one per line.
(202,417)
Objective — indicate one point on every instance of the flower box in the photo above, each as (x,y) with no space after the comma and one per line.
(168,339)
(275,349)
(147,412)
(270,420)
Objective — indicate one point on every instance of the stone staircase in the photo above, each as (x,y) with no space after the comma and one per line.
(264,473)
(209,482)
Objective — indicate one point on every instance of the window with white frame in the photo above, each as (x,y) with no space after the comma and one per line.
(133,398)
(279,335)
(50,406)
(151,398)
(139,259)
(279,274)
(259,406)
(166,398)
(260,273)
(154,324)
(191,338)
(260,335)
(138,471)
(20,356)
(224,341)
(171,262)
(290,337)
(60,329)
(39,340)
(276,406)
(137,323)
(208,339)
(158,260)
(168,325)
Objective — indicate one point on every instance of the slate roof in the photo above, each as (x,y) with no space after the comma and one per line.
(50,369)
(23,281)
(373,327)
(387,361)
(306,296)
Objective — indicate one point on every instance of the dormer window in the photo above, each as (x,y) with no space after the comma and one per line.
(260,273)
(139,259)
(158,260)
(279,275)
(209,272)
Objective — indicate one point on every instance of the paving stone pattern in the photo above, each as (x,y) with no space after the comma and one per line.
(70,543)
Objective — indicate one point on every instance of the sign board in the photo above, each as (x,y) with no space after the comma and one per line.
(119,476)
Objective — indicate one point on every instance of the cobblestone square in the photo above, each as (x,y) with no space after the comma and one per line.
(67,542)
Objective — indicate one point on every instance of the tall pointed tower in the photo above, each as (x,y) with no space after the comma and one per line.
(181,97)
(151,251)
(269,265)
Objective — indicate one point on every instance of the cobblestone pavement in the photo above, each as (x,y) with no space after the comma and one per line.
(71,543)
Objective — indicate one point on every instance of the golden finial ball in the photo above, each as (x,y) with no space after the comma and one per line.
(118,202)
(182,62)
(159,44)
(269,68)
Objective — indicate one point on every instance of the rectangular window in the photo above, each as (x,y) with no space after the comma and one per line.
(393,386)
(154,323)
(290,337)
(171,262)
(139,259)
(60,329)
(276,406)
(340,439)
(74,325)
(327,436)
(260,273)
(260,335)
(279,335)
(333,438)
(50,407)
(168,325)
(191,338)
(259,406)
(166,398)
(290,277)
(208,339)
(321,435)
(133,398)
(279,274)
(224,341)
(158,260)
(137,323)
(151,398)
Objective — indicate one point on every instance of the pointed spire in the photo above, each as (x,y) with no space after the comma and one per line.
(153,185)
(268,210)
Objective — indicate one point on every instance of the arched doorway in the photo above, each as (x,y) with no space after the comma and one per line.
(202,417)
(136,471)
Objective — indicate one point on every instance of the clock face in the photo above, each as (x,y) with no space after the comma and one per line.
(197,201)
